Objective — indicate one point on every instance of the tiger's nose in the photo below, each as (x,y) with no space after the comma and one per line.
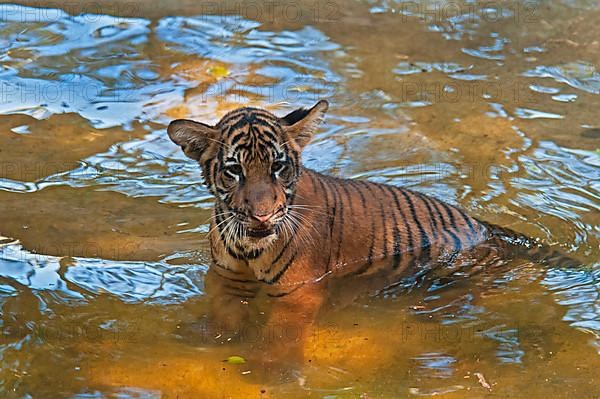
(263,218)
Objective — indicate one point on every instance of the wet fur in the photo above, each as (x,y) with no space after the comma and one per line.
(328,227)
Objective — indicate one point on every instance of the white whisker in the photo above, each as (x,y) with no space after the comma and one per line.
(219,224)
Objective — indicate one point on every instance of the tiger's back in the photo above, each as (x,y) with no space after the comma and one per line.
(354,225)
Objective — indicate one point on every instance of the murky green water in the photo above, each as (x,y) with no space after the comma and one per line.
(493,106)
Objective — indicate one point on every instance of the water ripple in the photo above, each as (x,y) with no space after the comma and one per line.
(579,75)
(290,60)
(58,33)
(148,282)
(561,182)
(579,291)
(138,281)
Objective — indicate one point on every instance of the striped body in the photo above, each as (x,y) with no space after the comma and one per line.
(358,228)
(298,235)
(279,225)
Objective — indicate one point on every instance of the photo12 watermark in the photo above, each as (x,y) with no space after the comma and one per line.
(59,333)
(273,11)
(464,91)
(55,11)
(469,11)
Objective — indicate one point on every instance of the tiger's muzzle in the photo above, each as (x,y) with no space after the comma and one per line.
(262,225)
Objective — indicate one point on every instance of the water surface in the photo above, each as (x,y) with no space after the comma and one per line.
(103,220)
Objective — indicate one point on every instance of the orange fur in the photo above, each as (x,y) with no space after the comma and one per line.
(285,230)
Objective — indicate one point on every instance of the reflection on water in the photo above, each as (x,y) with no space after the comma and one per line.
(146,282)
(103,257)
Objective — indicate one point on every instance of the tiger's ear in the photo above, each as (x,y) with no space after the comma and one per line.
(194,138)
(302,123)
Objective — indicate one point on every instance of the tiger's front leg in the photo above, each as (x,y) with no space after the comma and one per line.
(229,296)
(292,321)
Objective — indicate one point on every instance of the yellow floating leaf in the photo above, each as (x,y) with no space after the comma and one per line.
(235,360)
(218,71)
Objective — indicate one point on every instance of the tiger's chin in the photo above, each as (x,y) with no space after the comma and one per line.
(260,233)
(259,239)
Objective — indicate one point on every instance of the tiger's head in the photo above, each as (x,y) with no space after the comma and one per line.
(251,163)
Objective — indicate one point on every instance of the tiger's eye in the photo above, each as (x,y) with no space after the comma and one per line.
(234,170)
(278,166)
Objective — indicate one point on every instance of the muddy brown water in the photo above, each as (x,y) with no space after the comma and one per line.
(492,106)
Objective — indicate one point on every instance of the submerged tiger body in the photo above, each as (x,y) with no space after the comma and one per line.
(279,227)
(353,227)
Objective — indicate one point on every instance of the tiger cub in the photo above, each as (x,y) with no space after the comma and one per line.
(278,227)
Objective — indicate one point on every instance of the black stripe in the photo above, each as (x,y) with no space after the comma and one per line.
(471,234)
(238,125)
(280,294)
(312,180)
(207,166)
(410,244)
(430,213)
(243,291)
(234,140)
(347,193)
(280,254)
(364,268)
(232,115)
(413,214)
(337,198)
(213,174)
(451,219)
(397,247)
(432,220)
(225,268)
(397,251)
(358,189)
(372,246)
(282,271)
(325,193)
(294,158)
(262,122)
(457,242)
(233,254)
(363,202)
(218,221)
(382,211)
(425,242)
(266,135)
(440,230)
(450,215)
(241,295)
(234,279)
(331,216)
